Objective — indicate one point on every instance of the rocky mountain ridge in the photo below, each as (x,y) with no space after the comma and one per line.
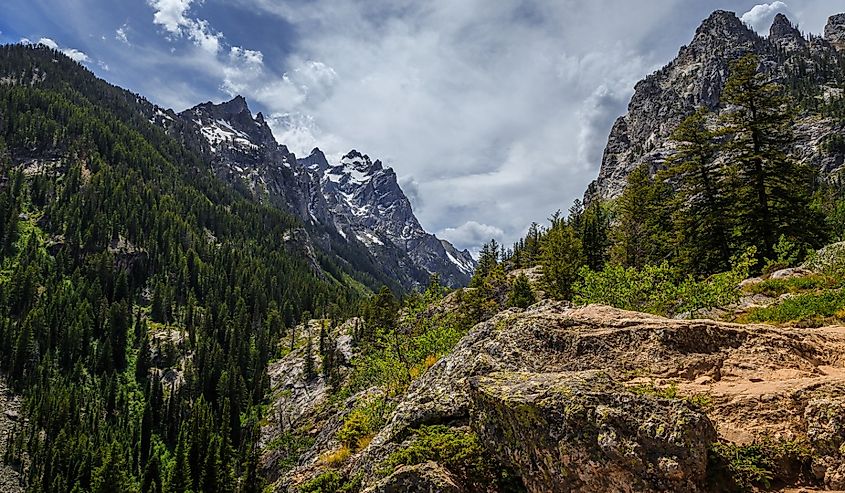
(696,78)
(356,201)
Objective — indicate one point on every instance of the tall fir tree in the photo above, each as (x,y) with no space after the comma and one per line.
(642,222)
(770,191)
(594,228)
(700,212)
(561,258)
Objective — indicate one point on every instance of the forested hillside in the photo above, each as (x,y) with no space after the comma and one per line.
(114,235)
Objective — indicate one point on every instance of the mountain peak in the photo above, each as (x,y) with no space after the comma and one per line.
(235,106)
(316,160)
(721,19)
(834,31)
(360,162)
(722,27)
(784,34)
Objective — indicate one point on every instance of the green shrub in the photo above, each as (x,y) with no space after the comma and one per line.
(455,448)
(811,309)
(326,482)
(668,392)
(746,465)
(788,254)
(459,450)
(657,289)
(759,464)
(291,445)
(777,287)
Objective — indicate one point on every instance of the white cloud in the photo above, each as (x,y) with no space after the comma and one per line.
(121,34)
(49,43)
(497,112)
(170,14)
(761,16)
(72,53)
(471,234)
(76,55)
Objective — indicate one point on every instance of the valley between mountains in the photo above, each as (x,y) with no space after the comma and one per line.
(188,306)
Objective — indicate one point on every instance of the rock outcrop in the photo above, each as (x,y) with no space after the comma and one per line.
(696,78)
(583,431)
(428,477)
(786,36)
(834,31)
(11,479)
(599,399)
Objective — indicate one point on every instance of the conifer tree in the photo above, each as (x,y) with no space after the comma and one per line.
(594,227)
(561,258)
(488,259)
(641,231)
(308,369)
(521,295)
(770,190)
(700,210)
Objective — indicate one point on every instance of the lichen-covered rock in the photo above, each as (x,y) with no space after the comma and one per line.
(582,431)
(830,259)
(428,477)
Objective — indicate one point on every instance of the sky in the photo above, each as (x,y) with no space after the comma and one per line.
(493,114)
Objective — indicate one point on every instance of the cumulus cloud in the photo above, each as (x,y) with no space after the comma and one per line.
(49,43)
(471,234)
(493,114)
(72,53)
(761,16)
(172,16)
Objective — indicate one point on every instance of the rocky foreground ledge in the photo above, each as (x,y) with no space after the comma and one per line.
(600,399)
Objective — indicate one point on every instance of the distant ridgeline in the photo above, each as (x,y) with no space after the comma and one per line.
(731,154)
(133,239)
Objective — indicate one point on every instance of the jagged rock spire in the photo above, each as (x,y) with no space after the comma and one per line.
(235,106)
(722,26)
(834,31)
(785,35)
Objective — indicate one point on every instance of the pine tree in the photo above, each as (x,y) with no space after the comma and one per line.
(770,190)
(521,295)
(700,210)
(594,228)
(642,223)
(561,258)
(309,371)
(488,259)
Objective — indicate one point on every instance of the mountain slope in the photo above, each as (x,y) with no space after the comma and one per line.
(366,203)
(811,68)
(354,209)
(118,246)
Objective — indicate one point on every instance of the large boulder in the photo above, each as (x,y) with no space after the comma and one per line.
(428,477)
(582,431)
